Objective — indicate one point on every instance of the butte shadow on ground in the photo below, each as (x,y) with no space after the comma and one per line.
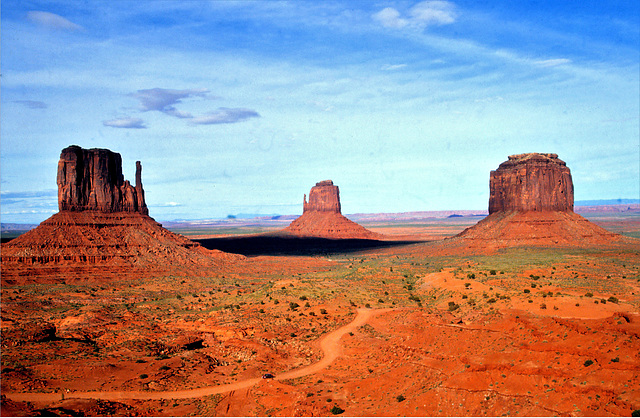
(281,243)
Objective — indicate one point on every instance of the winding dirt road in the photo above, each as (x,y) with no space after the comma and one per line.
(330,345)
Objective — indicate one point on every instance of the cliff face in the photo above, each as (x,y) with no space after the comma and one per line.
(92,180)
(531,182)
(323,197)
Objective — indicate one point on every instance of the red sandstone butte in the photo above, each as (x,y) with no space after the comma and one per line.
(103,222)
(533,181)
(531,203)
(91,179)
(323,197)
(322,216)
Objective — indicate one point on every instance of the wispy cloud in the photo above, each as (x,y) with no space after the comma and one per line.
(32,104)
(423,14)
(163,100)
(553,62)
(393,67)
(225,115)
(127,123)
(52,21)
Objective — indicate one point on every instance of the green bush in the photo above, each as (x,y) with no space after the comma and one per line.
(336,410)
(612,299)
(588,363)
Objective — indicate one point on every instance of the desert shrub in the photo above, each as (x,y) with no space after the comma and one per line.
(636,413)
(400,398)
(588,363)
(367,305)
(303,297)
(543,306)
(467,285)
(380,301)
(527,291)
(144,376)
(293,335)
(471,276)
(615,360)
(464,296)
(492,300)
(414,298)
(533,285)
(409,287)
(165,367)
(492,272)
(588,294)
(140,361)
(534,277)
(276,301)
(336,410)
(323,311)
(603,301)
(261,310)
(612,299)
(453,306)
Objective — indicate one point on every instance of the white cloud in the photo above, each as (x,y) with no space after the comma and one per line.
(225,115)
(52,21)
(433,13)
(426,13)
(390,18)
(128,123)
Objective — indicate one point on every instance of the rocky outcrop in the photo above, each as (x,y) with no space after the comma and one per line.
(92,180)
(323,197)
(531,182)
(321,216)
(102,230)
(531,203)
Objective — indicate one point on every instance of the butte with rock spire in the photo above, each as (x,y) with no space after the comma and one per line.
(102,222)
(322,217)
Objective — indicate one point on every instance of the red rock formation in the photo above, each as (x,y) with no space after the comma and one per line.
(321,216)
(103,222)
(531,203)
(531,181)
(323,197)
(92,180)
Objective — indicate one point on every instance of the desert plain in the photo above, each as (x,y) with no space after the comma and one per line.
(413,327)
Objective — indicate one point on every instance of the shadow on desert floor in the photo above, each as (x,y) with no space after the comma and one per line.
(256,245)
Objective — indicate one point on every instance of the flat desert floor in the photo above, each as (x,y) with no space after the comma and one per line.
(397,330)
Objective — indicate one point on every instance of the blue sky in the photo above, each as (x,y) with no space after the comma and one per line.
(242,106)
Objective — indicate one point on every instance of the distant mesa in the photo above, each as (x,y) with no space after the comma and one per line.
(322,217)
(103,221)
(531,203)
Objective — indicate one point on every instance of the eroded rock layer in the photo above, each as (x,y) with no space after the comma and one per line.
(321,216)
(323,197)
(91,179)
(531,182)
(103,221)
(531,203)
(78,242)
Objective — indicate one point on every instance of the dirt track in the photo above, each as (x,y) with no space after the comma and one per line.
(330,345)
